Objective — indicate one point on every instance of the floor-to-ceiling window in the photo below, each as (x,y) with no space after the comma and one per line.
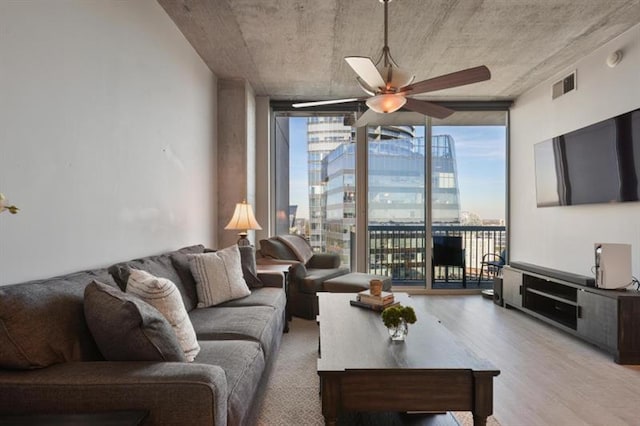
(397,202)
(435,199)
(320,180)
(468,198)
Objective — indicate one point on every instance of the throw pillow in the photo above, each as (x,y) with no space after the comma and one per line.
(275,249)
(299,246)
(248,260)
(42,322)
(163,295)
(180,261)
(161,266)
(249,271)
(126,328)
(218,276)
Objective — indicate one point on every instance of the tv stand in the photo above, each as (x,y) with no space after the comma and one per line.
(609,319)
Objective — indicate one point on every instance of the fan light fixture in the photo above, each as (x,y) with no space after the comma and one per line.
(386,103)
(391,87)
(396,77)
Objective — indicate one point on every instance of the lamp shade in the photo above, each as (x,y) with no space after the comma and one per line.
(243,218)
(386,103)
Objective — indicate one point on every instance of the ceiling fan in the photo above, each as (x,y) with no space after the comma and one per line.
(389,87)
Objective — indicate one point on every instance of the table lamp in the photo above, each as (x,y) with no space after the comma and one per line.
(243,220)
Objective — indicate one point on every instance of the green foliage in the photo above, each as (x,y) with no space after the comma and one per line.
(393,314)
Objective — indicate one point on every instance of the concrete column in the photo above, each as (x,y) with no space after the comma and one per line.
(264,169)
(236,153)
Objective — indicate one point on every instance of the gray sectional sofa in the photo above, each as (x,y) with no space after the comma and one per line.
(49,362)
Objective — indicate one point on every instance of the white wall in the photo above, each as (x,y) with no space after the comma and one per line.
(563,237)
(107,136)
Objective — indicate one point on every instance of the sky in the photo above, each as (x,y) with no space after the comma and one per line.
(299,181)
(481,161)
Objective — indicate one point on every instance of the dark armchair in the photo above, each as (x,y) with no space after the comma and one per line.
(448,251)
(493,263)
(307,272)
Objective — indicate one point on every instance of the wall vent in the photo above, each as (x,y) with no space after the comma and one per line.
(565,85)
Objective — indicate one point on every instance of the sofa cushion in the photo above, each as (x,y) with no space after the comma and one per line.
(298,245)
(160,266)
(313,281)
(276,249)
(266,296)
(243,363)
(256,323)
(248,260)
(127,328)
(163,295)
(218,276)
(42,322)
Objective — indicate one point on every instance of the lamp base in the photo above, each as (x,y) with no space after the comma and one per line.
(243,241)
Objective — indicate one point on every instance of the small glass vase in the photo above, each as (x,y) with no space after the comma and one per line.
(399,333)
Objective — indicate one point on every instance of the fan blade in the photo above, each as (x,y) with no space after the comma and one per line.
(365,118)
(366,70)
(428,108)
(317,103)
(447,81)
(364,86)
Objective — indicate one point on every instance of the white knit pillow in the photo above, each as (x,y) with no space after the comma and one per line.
(218,276)
(163,295)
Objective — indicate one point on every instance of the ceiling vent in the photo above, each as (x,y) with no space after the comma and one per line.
(565,85)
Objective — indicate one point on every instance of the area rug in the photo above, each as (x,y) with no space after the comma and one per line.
(292,396)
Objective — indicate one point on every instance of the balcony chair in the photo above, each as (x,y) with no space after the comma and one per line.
(307,273)
(448,251)
(493,263)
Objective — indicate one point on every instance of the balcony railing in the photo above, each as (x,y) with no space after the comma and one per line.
(399,251)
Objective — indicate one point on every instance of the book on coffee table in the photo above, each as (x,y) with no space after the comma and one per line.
(377,308)
(383,299)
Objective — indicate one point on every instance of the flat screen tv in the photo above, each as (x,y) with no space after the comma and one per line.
(599,163)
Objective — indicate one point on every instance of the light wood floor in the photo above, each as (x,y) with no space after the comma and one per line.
(548,377)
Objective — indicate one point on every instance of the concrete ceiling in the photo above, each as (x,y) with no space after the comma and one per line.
(294,49)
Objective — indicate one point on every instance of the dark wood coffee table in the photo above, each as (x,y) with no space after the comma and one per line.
(361,369)
(108,418)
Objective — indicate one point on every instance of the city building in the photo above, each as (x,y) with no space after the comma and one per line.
(324,135)
(396,190)
(444,181)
